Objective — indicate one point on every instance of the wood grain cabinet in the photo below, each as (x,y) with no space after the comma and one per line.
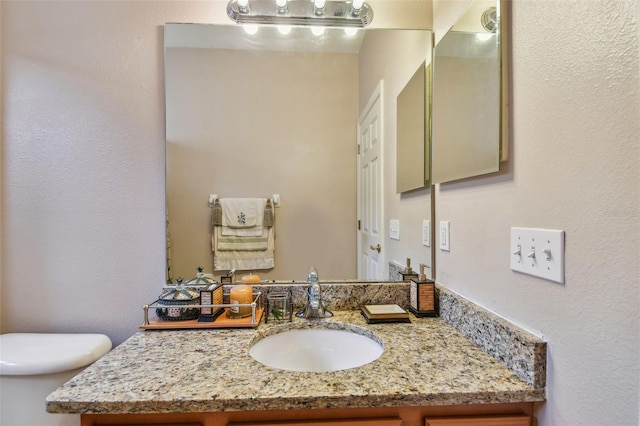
(510,420)
(336,422)
(512,414)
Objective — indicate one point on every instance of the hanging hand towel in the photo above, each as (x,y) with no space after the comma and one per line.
(244,260)
(242,217)
(242,212)
(235,243)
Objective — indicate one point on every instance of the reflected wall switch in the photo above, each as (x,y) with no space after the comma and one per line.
(444,235)
(394,229)
(538,252)
(426,233)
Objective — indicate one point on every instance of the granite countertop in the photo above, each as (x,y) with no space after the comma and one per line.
(426,362)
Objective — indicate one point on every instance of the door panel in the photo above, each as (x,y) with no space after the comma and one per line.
(370,195)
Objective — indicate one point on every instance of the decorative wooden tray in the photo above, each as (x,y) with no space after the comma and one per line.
(223,321)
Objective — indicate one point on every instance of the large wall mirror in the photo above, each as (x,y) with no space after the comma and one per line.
(263,114)
(469,100)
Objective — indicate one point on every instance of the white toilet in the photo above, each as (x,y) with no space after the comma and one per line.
(32,365)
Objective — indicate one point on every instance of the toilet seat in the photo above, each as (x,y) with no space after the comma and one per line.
(47,353)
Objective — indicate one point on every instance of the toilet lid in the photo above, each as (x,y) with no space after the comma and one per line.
(24,354)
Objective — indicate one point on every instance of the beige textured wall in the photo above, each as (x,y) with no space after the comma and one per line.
(574,157)
(83,157)
(83,187)
(253,123)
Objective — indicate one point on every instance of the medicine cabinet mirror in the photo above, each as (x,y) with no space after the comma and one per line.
(257,115)
(413,138)
(469,95)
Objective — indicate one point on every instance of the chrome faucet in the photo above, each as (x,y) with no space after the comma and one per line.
(314,308)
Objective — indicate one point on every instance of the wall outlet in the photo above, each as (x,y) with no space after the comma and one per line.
(394,229)
(426,233)
(445,230)
(538,252)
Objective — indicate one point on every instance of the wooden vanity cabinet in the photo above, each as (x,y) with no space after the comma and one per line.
(346,422)
(509,420)
(513,414)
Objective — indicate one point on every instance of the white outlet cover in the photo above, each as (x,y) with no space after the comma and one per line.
(538,252)
(394,229)
(426,233)
(445,230)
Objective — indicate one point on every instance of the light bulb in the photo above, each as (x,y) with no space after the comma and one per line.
(483,36)
(350,31)
(243,6)
(250,29)
(357,4)
(317,31)
(318,7)
(284,29)
(281,3)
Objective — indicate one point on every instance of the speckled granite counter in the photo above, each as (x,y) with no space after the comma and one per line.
(427,362)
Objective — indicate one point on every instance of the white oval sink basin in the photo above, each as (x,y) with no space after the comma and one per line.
(316,350)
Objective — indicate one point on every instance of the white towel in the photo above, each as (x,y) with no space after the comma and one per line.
(244,260)
(235,243)
(242,217)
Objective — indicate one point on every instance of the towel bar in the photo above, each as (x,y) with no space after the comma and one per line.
(275,198)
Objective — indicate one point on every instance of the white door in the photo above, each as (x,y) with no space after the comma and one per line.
(371,253)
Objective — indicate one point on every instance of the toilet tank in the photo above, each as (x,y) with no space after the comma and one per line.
(32,365)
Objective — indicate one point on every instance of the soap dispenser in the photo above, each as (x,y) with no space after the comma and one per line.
(423,301)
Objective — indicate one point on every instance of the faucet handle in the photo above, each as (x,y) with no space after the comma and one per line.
(312,276)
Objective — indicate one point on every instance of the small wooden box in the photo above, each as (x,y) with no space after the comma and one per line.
(211,296)
(422,298)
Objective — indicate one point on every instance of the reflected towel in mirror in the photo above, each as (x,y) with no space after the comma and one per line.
(242,216)
(244,260)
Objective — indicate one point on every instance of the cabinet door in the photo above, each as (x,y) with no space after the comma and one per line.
(508,420)
(346,422)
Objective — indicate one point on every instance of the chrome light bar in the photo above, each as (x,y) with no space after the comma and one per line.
(301,12)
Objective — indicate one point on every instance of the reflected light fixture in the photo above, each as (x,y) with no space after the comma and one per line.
(350,31)
(250,29)
(321,13)
(317,31)
(489,19)
(284,29)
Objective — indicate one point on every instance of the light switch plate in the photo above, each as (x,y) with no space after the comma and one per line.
(445,229)
(538,252)
(426,233)
(394,229)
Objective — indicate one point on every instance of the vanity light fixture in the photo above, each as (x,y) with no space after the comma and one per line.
(321,13)
(243,6)
(281,7)
(489,19)
(318,7)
